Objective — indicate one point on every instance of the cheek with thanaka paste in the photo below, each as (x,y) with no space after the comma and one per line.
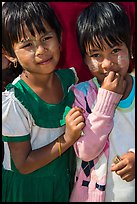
(23,57)
(123,61)
(93,65)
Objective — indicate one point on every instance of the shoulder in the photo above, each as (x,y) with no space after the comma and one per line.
(15,116)
(85,87)
(85,94)
(10,102)
(68,74)
(7,96)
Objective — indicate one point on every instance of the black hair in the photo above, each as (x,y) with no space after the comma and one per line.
(9,74)
(17,14)
(103,21)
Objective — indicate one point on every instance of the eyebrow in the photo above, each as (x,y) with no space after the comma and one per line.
(94,50)
(29,39)
(97,50)
(89,52)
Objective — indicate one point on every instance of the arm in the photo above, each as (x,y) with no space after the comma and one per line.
(28,160)
(98,123)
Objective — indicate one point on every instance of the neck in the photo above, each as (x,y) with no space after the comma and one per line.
(129,85)
(37,80)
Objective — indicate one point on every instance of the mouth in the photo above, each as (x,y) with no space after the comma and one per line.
(46,61)
(104,74)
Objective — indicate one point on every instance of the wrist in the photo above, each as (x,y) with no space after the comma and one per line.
(68,139)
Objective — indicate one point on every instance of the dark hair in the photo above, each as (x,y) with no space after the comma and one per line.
(17,14)
(9,74)
(103,21)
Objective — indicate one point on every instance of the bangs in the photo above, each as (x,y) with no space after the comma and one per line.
(19,16)
(18,30)
(28,15)
(103,22)
(98,41)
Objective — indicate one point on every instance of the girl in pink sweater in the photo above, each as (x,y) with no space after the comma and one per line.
(103,31)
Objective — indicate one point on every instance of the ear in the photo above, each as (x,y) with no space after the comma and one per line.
(10,58)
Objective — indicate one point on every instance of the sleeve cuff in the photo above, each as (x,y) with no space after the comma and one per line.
(106,101)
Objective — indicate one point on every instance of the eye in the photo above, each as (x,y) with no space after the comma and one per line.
(96,55)
(46,38)
(116,50)
(27,45)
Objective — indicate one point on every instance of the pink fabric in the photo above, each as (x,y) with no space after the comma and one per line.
(92,148)
(102,104)
(67,13)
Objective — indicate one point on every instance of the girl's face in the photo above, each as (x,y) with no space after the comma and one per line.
(101,62)
(40,53)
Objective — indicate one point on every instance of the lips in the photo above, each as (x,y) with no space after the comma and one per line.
(106,74)
(45,61)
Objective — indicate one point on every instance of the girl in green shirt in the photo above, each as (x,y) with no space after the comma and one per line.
(38,125)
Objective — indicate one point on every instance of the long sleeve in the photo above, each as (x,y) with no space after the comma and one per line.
(99,109)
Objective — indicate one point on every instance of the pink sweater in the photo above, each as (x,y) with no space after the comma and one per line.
(93,146)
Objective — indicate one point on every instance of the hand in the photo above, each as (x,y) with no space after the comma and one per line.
(114,82)
(126,167)
(74,124)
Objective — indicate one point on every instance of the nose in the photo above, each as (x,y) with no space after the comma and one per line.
(40,49)
(106,63)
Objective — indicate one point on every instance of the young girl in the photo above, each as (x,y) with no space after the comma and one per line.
(71,53)
(106,164)
(36,165)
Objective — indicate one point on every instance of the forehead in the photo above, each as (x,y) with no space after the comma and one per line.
(33,31)
(101,44)
(95,47)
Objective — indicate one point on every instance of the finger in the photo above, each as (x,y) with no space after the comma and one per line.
(110,76)
(122,171)
(118,166)
(78,120)
(80,125)
(116,77)
(74,109)
(75,115)
(127,177)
